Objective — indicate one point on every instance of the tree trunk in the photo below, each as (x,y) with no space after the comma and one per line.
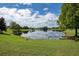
(76,32)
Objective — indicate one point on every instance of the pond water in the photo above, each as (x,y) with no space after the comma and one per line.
(40,34)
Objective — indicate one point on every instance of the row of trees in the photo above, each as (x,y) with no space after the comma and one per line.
(16,28)
(14,25)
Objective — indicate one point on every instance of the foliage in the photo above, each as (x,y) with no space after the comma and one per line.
(16,28)
(14,25)
(2,25)
(25,27)
(45,28)
(69,17)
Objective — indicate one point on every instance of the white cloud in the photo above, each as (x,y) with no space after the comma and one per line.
(29,4)
(24,12)
(17,5)
(45,9)
(25,17)
(51,16)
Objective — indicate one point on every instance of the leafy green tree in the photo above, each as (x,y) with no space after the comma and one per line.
(15,28)
(2,25)
(69,17)
(14,25)
(25,27)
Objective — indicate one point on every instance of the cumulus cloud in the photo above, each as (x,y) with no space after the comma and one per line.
(24,17)
(5,10)
(24,12)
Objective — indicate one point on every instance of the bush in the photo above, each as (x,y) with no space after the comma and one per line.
(17,32)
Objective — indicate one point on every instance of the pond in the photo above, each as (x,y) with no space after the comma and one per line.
(40,34)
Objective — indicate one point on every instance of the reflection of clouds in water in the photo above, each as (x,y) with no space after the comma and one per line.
(43,35)
(36,35)
(55,34)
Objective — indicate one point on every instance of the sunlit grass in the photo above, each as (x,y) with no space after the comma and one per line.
(15,45)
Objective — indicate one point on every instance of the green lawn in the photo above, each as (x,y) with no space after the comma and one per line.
(16,45)
(71,32)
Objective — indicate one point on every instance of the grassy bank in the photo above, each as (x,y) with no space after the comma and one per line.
(16,45)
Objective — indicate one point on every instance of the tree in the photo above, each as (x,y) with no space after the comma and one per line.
(25,27)
(69,17)
(2,25)
(15,28)
(45,28)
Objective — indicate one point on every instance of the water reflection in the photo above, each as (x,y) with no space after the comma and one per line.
(25,32)
(40,34)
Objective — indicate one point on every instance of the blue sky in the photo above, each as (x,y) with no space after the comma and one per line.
(31,13)
(53,7)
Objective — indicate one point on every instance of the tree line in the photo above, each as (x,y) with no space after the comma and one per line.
(16,28)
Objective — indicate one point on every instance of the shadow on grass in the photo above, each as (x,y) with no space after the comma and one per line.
(72,38)
(4,34)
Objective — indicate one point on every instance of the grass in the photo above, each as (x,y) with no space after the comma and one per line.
(71,32)
(16,45)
